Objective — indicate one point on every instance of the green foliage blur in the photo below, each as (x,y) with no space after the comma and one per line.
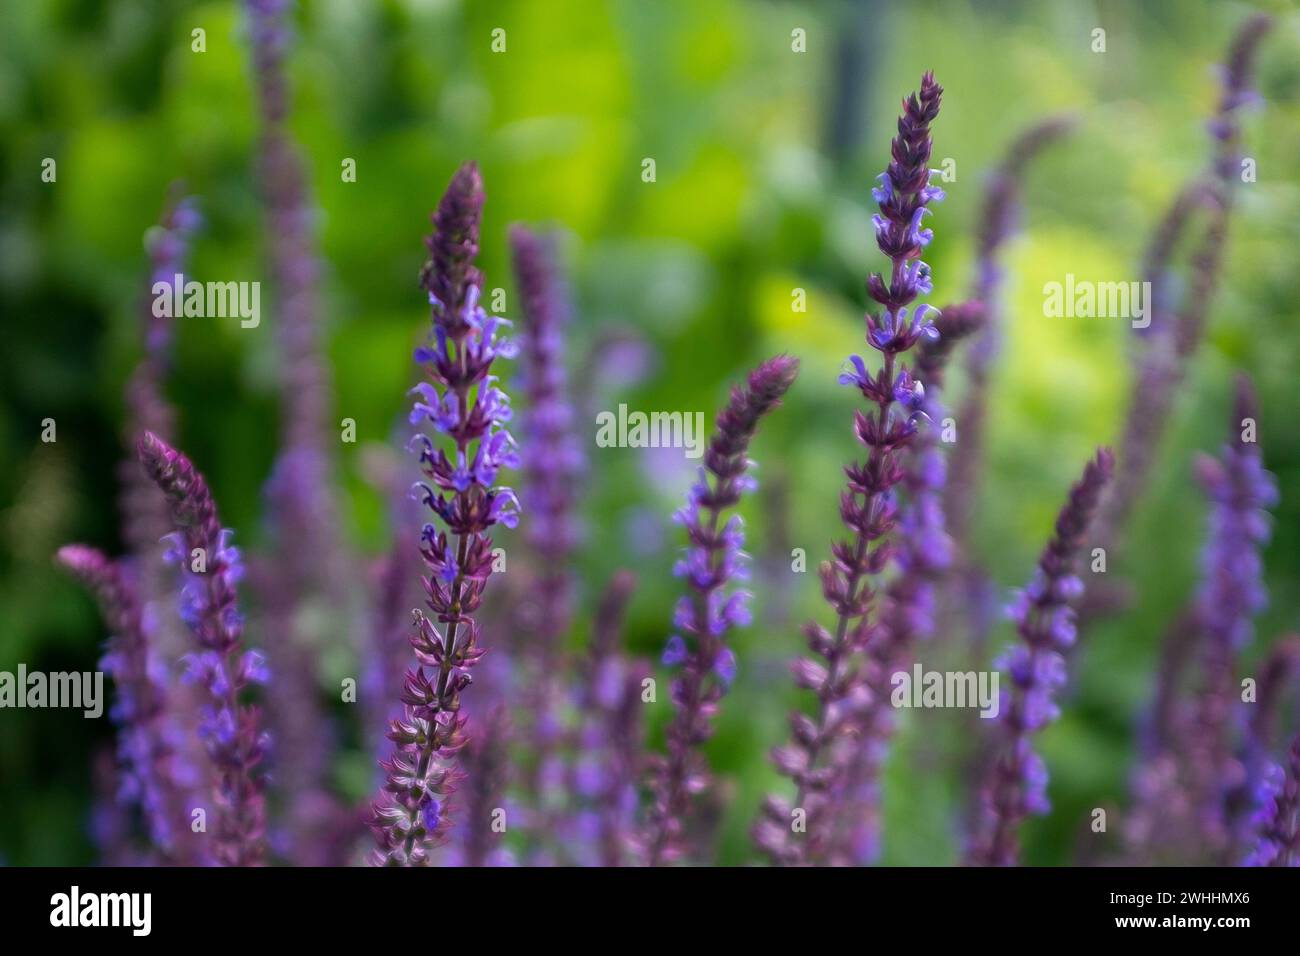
(764,159)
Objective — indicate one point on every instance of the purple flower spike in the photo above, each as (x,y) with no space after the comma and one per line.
(551,478)
(605,778)
(821,751)
(1016,782)
(480,836)
(907,616)
(151,768)
(431,730)
(306,576)
(209,569)
(1177,328)
(144,514)
(145,518)
(1232,594)
(712,561)
(1278,818)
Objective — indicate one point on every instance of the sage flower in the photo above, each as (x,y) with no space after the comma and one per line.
(821,748)
(1016,781)
(713,562)
(464,406)
(1167,348)
(908,611)
(305,577)
(210,568)
(550,479)
(1278,817)
(604,777)
(1232,593)
(152,775)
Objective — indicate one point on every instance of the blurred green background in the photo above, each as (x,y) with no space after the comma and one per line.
(764,161)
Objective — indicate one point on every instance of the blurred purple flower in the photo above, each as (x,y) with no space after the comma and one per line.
(210,567)
(713,562)
(1016,781)
(151,774)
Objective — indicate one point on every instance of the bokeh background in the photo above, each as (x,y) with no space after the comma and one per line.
(764,159)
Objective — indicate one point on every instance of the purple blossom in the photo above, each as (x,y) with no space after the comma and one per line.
(411,818)
(481,833)
(604,779)
(145,518)
(152,775)
(144,513)
(713,561)
(210,567)
(1016,781)
(1278,817)
(1276,676)
(1232,593)
(1167,349)
(925,552)
(551,476)
(821,751)
(306,576)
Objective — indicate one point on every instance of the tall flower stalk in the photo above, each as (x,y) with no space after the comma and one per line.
(551,472)
(1203,763)
(822,746)
(713,562)
(463,404)
(1232,594)
(144,513)
(1016,781)
(908,613)
(210,568)
(304,582)
(132,593)
(146,746)
(1169,345)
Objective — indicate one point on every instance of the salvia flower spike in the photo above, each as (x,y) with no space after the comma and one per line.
(712,563)
(551,473)
(211,567)
(464,405)
(1165,353)
(145,517)
(907,616)
(305,576)
(1232,593)
(604,778)
(821,746)
(1278,817)
(152,776)
(1016,781)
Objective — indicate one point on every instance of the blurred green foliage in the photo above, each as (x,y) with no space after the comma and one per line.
(762,186)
